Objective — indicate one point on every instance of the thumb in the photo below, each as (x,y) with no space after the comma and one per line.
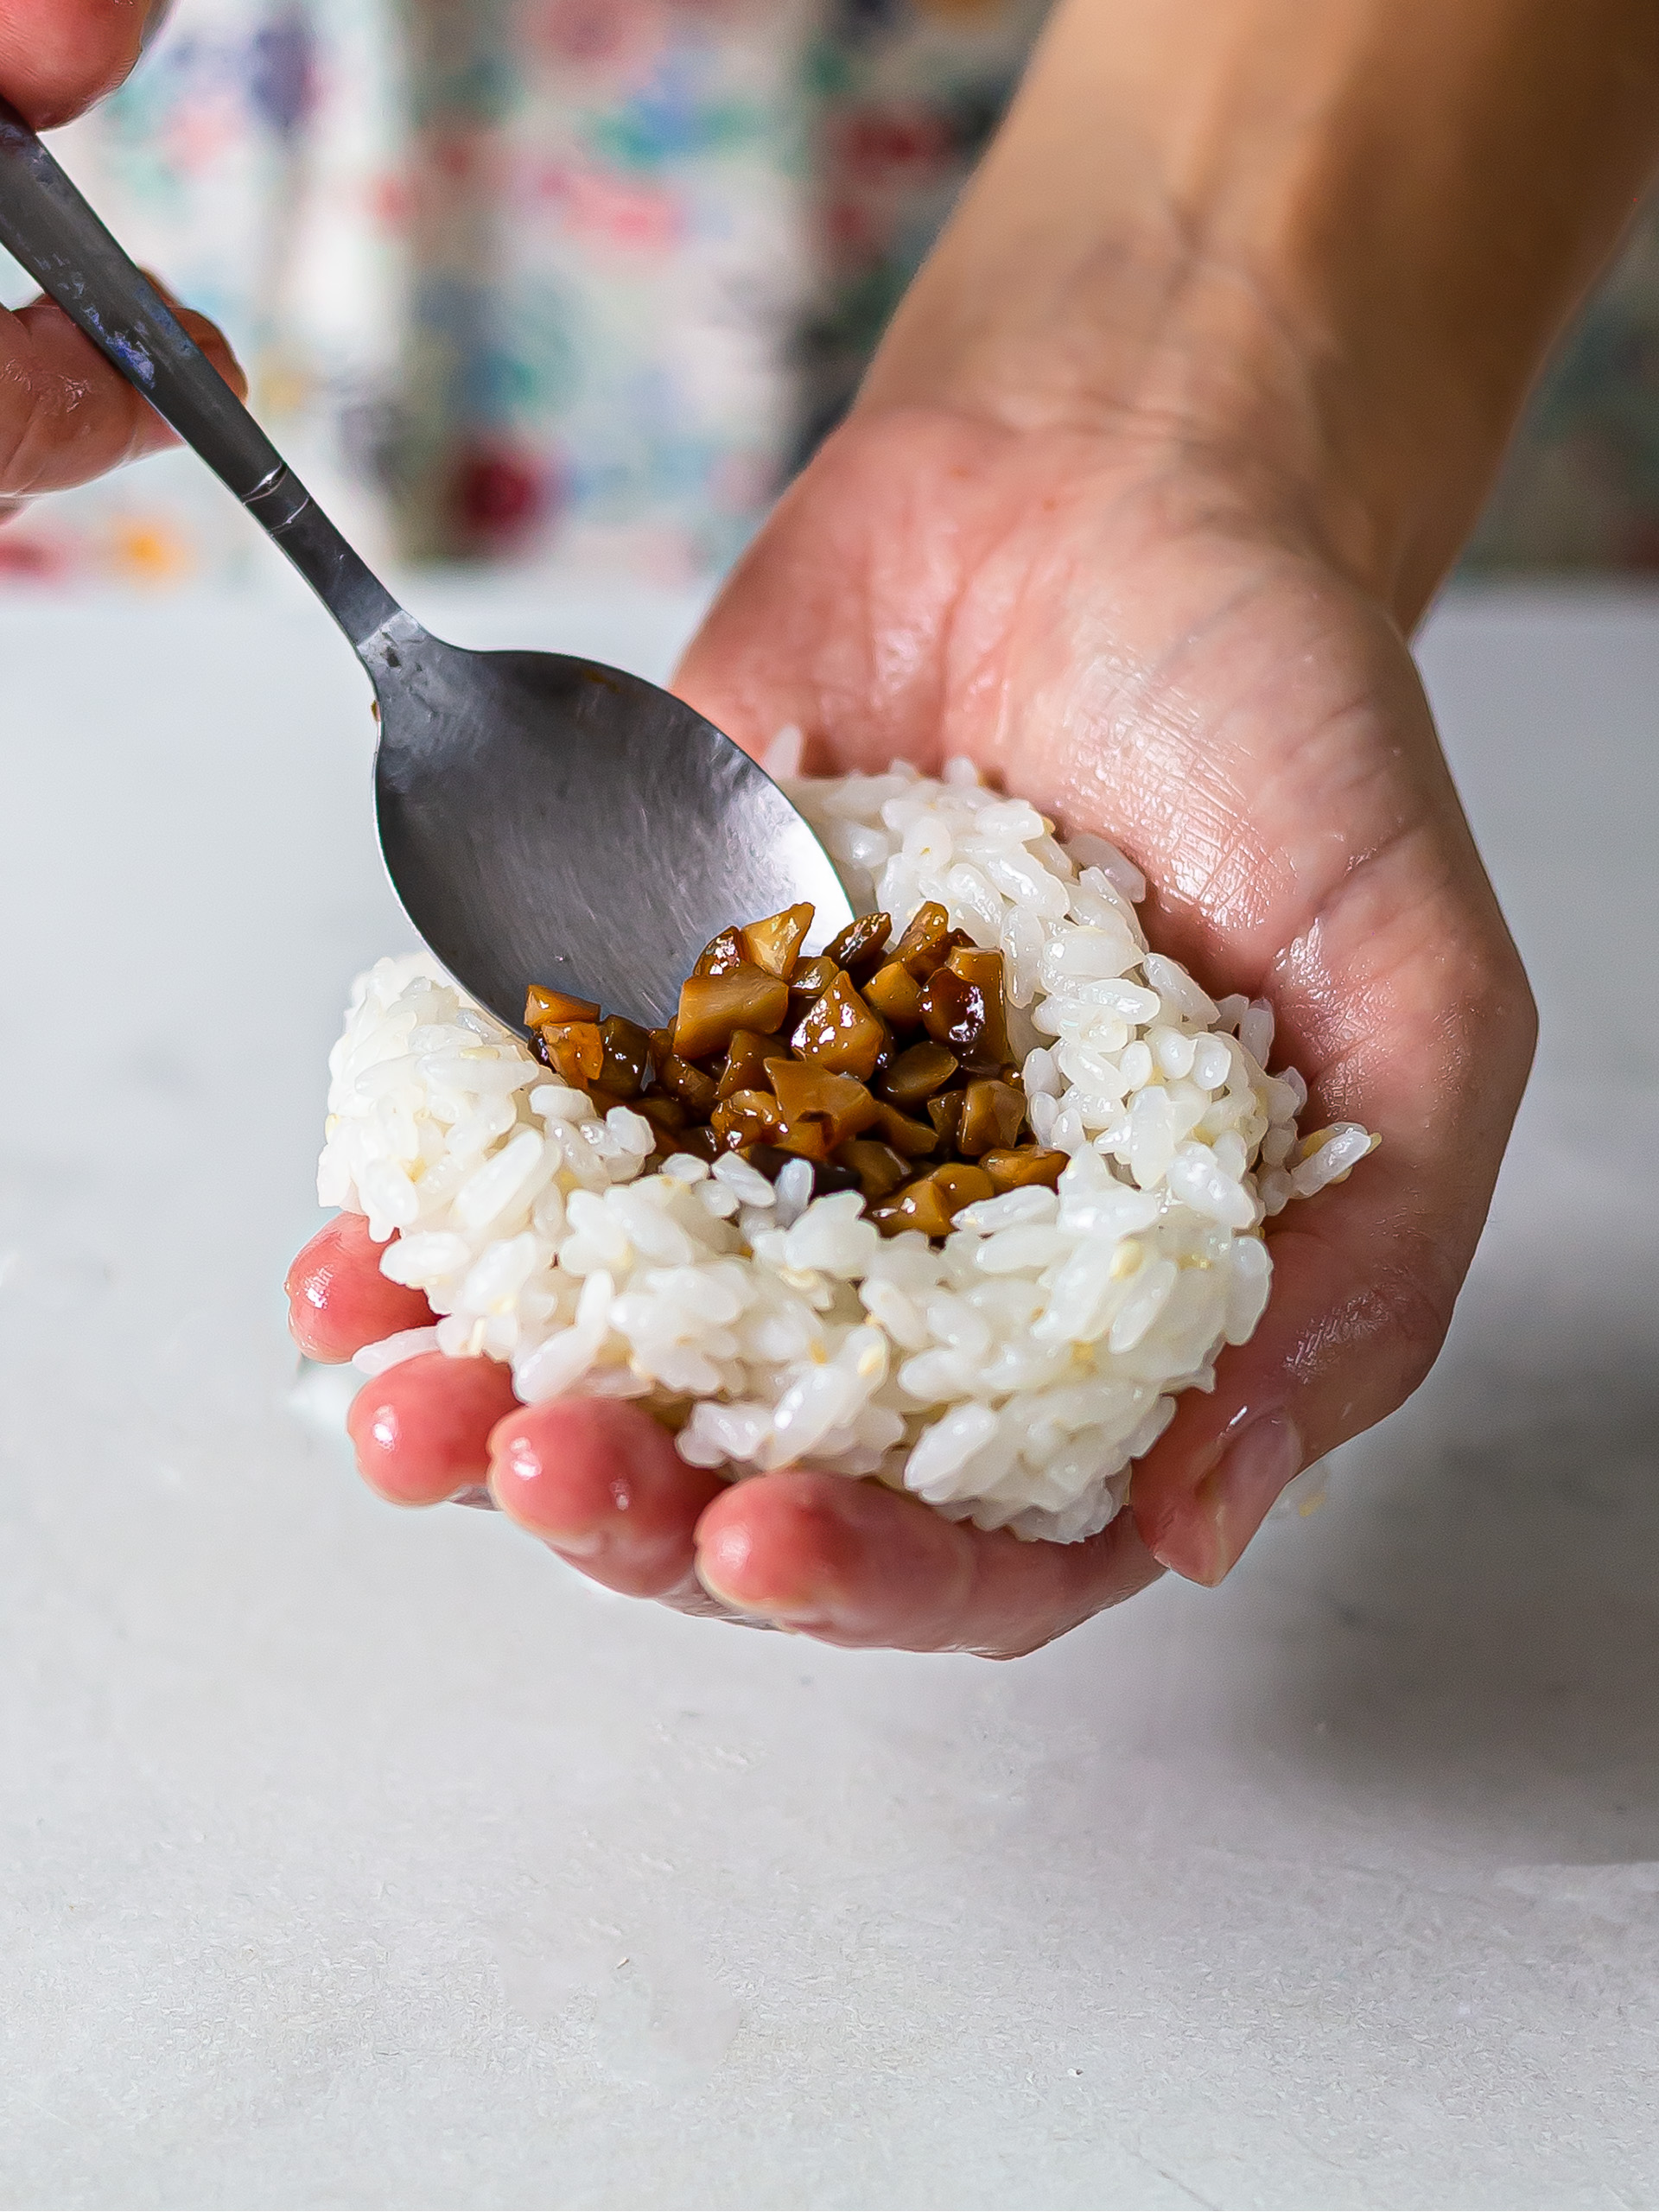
(58,56)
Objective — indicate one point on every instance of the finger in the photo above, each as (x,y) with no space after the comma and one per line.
(206,336)
(58,56)
(601,1484)
(421,1430)
(339,1300)
(853,1563)
(1432,1053)
(66,414)
(1434,1056)
(1357,1314)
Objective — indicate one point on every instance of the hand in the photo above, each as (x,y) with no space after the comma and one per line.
(1137,649)
(66,415)
(1163,455)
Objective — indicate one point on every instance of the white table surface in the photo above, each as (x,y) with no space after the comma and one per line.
(367,1858)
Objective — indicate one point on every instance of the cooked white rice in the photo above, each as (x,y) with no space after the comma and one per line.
(1010,1377)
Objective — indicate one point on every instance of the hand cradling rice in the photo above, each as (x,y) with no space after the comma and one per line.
(1087,1260)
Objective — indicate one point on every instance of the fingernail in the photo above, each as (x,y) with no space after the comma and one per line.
(1208,1537)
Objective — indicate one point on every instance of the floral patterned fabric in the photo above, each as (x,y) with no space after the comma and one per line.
(254,162)
(902,100)
(581,281)
(606,245)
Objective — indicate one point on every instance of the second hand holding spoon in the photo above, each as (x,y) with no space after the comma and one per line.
(543,818)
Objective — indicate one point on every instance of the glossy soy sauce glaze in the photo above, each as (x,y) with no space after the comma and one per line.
(884,1064)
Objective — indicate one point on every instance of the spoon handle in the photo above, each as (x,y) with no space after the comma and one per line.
(50,228)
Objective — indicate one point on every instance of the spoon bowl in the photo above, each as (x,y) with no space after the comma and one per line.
(543,819)
(547,819)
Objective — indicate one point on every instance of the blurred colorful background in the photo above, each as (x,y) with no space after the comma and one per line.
(577,282)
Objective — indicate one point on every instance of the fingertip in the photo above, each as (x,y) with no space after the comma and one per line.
(851,1562)
(790,1545)
(1338,1347)
(600,1482)
(205,334)
(421,1430)
(1201,1534)
(217,348)
(560,1468)
(856,1564)
(332,1241)
(339,1300)
(726,1562)
(56,61)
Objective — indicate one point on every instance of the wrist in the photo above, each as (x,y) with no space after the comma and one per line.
(1172,357)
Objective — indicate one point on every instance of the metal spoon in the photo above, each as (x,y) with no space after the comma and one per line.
(543,819)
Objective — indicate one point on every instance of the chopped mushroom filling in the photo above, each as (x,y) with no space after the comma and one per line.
(886,1066)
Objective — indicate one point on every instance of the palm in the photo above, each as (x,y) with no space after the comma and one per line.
(1131,652)
(1137,653)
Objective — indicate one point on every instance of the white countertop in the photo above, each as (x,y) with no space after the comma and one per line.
(354,1857)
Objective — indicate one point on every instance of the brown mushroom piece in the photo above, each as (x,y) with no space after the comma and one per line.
(713,1008)
(839,1032)
(992,1114)
(860,947)
(925,942)
(962,1007)
(747,1117)
(919,1205)
(1025,1164)
(694,1086)
(773,945)
(953,1013)
(667,1116)
(879,1168)
(914,1139)
(811,979)
(542,1004)
(746,1061)
(821,1110)
(963,1183)
(627,1057)
(720,955)
(894,993)
(574,1050)
(931,1202)
(985,971)
(944,1112)
(916,1074)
